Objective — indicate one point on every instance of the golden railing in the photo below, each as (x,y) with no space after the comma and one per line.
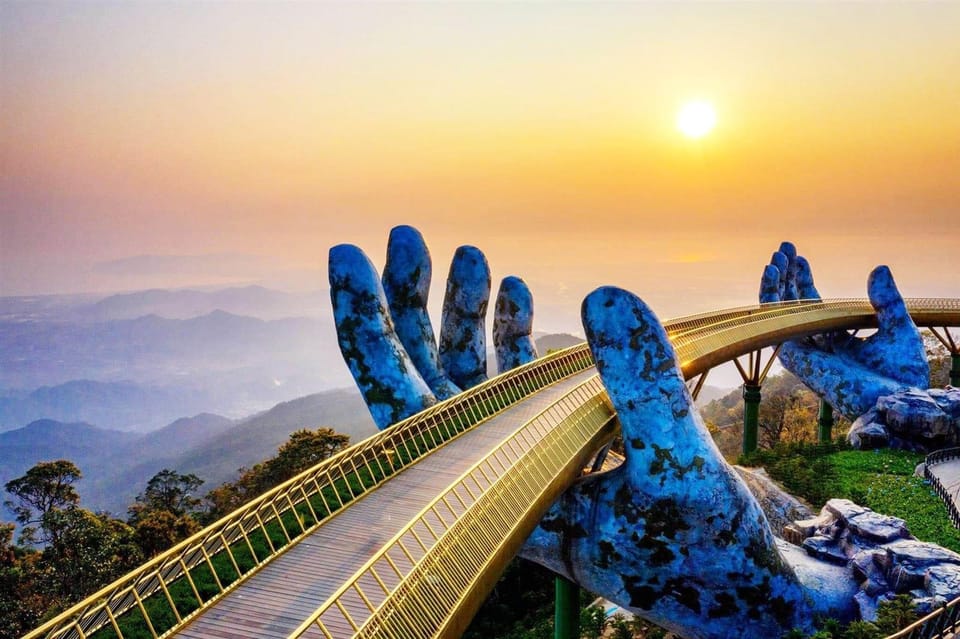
(942,623)
(292,510)
(432,576)
(705,340)
(430,579)
(295,508)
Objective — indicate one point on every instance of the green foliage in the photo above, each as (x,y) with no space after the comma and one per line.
(45,487)
(593,621)
(168,491)
(894,614)
(882,480)
(802,468)
(831,626)
(521,602)
(163,514)
(87,552)
(862,630)
(621,627)
(304,450)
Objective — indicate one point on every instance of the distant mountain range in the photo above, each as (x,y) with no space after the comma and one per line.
(116,465)
(142,373)
(111,405)
(105,383)
(253,301)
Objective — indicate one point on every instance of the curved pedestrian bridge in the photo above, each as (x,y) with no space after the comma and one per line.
(405,533)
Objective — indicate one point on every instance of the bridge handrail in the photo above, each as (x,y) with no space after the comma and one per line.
(686,323)
(942,455)
(459,530)
(701,342)
(932,626)
(368,463)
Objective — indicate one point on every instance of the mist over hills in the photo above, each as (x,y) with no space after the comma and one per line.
(76,358)
(252,301)
(106,383)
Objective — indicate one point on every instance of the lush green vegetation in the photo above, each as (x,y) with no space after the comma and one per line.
(167,513)
(882,480)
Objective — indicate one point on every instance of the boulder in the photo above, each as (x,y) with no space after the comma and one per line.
(914,413)
(866,433)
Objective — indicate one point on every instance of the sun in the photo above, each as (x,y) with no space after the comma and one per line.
(696,118)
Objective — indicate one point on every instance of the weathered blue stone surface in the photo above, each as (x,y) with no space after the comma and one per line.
(390,383)
(672,534)
(406,283)
(852,373)
(513,325)
(463,340)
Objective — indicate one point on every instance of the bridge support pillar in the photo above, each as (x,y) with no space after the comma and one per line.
(955,370)
(751,417)
(825,422)
(566,616)
(753,375)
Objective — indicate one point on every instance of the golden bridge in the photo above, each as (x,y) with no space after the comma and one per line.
(405,533)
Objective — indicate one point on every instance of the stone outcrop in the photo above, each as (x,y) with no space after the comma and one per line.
(911,419)
(881,555)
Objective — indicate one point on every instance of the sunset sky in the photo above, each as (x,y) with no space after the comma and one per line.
(239,141)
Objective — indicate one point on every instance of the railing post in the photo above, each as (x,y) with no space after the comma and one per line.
(825,422)
(751,416)
(566,615)
(955,370)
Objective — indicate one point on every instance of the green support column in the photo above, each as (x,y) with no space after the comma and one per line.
(751,417)
(955,370)
(825,422)
(566,616)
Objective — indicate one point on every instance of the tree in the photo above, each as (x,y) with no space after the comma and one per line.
(896,614)
(163,514)
(20,606)
(157,530)
(593,620)
(621,626)
(87,552)
(168,491)
(862,630)
(304,449)
(46,487)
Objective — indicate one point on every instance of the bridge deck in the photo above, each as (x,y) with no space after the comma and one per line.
(275,600)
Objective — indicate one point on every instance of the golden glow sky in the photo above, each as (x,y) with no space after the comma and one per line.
(542,133)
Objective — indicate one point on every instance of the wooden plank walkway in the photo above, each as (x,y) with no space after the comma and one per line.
(274,601)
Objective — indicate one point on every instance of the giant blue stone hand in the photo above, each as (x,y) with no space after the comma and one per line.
(386,337)
(673,534)
(852,373)
(879,382)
